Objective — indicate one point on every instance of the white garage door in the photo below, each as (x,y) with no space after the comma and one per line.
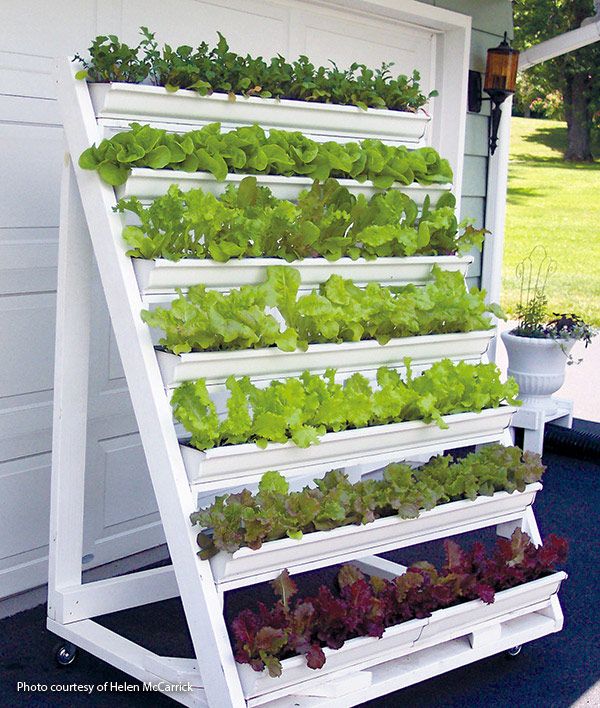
(121,517)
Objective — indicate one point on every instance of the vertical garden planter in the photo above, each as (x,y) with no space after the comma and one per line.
(180,473)
(149,104)
(403,639)
(377,443)
(163,276)
(148,184)
(263,364)
(321,548)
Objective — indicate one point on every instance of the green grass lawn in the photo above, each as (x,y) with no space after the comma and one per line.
(556,204)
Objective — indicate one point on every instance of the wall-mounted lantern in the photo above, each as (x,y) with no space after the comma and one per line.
(500,82)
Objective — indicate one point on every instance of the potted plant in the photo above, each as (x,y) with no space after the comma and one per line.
(539,347)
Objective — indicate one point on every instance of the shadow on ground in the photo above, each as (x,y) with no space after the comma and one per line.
(522,195)
(554,138)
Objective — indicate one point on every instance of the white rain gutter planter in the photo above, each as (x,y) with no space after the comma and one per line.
(511,601)
(152,104)
(408,637)
(266,363)
(365,651)
(163,276)
(148,184)
(320,548)
(235,463)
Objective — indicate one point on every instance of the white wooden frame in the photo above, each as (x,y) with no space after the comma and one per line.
(213,675)
(451,67)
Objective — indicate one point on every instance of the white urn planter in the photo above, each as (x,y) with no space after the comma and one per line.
(538,366)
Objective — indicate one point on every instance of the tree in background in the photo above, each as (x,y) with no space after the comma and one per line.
(531,98)
(576,75)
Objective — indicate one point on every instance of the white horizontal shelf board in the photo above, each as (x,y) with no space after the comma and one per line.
(338,545)
(127,656)
(147,184)
(152,104)
(364,652)
(162,276)
(373,444)
(267,363)
(532,419)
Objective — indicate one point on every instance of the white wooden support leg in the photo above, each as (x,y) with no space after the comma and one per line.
(530,527)
(527,523)
(508,437)
(153,412)
(70,392)
(374,565)
(357,472)
(506,529)
(554,610)
(565,420)
(533,440)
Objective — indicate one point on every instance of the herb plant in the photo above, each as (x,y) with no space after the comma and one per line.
(249,520)
(568,326)
(339,311)
(362,606)
(249,150)
(534,320)
(113,60)
(303,409)
(247,221)
(207,69)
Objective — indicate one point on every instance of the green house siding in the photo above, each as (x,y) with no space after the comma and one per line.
(490,18)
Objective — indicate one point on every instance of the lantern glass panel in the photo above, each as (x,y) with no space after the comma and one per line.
(501,69)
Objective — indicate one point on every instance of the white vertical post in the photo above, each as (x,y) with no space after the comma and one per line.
(70,392)
(491,265)
(530,527)
(526,523)
(449,124)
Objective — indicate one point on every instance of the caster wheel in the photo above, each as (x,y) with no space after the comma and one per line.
(513,652)
(65,654)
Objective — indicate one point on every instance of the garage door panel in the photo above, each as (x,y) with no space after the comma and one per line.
(27,75)
(30,197)
(27,343)
(249,27)
(115,372)
(25,424)
(24,516)
(29,110)
(128,494)
(324,37)
(28,260)
(47,29)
